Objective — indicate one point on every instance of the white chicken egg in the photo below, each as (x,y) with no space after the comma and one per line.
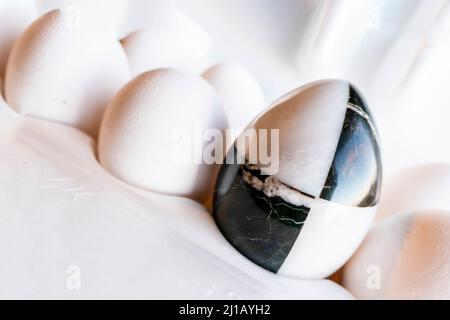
(241,95)
(404,257)
(173,40)
(415,188)
(153,134)
(99,15)
(15,16)
(63,73)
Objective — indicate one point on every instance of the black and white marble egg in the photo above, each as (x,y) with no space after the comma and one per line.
(306,219)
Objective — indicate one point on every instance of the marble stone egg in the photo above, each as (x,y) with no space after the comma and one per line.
(304,208)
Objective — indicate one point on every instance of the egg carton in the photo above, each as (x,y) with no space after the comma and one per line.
(117,118)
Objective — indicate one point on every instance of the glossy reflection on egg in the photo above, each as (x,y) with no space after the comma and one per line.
(304,212)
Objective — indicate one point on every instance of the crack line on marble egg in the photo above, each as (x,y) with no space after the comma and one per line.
(270,212)
(290,219)
(273,210)
(272,187)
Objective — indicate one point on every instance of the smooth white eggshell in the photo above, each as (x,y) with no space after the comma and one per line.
(142,13)
(241,94)
(415,188)
(65,74)
(98,15)
(15,16)
(404,257)
(330,236)
(7,115)
(138,141)
(173,40)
